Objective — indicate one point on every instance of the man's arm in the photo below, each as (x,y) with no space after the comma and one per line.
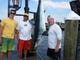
(57,45)
(59,38)
(16,33)
(2,24)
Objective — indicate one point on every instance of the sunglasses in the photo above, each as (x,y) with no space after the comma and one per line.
(13,13)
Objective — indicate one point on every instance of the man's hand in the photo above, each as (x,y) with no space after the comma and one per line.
(57,46)
(56,49)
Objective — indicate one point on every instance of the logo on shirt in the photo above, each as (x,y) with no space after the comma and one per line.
(25,24)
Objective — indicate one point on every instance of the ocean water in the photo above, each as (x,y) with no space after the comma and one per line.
(42,48)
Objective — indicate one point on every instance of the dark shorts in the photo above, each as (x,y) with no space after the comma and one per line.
(51,53)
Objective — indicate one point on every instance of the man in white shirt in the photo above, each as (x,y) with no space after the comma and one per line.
(54,39)
(24,29)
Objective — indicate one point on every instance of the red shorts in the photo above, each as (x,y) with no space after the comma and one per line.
(23,45)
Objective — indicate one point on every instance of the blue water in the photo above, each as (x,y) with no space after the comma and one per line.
(42,48)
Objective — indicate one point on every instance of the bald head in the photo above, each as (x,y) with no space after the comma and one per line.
(50,20)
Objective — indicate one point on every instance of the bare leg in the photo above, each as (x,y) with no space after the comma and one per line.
(25,54)
(1,56)
(19,55)
(9,55)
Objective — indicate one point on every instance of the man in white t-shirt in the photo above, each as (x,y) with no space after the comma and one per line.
(54,40)
(24,29)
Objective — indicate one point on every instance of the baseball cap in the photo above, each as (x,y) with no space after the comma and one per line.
(26,14)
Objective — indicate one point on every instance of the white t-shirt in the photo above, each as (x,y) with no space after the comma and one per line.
(25,30)
(54,34)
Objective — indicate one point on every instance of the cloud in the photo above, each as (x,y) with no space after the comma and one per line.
(50,3)
(63,5)
(43,0)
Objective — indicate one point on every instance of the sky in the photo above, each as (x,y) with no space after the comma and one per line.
(58,9)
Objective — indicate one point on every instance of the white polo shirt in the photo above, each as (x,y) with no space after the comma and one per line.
(25,30)
(54,34)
